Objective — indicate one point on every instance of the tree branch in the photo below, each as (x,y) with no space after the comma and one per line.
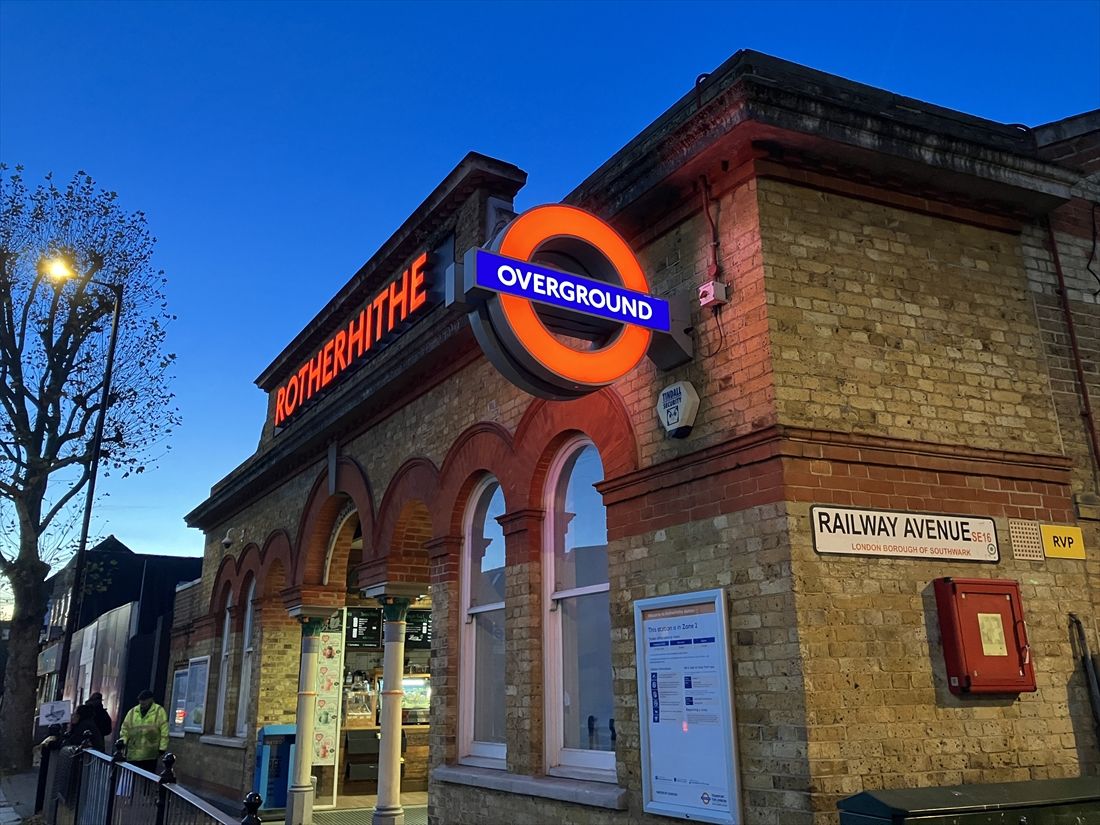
(59,505)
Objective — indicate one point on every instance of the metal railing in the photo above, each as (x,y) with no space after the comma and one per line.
(86,787)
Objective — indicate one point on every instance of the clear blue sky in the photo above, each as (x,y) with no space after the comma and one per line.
(275,146)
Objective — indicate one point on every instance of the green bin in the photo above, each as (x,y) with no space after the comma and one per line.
(1039,802)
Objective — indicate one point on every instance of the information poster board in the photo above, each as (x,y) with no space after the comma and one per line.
(198,674)
(330,686)
(55,713)
(685,694)
(364,627)
(418,630)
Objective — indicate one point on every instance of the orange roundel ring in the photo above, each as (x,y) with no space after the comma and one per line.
(595,367)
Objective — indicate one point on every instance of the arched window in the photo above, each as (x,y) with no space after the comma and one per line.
(246,664)
(223,670)
(580,725)
(482,672)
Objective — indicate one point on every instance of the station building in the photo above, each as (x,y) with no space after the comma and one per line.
(876,524)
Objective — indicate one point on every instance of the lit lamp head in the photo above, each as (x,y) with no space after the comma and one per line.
(58,269)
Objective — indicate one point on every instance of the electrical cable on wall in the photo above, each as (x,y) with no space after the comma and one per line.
(1092,253)
(713,268)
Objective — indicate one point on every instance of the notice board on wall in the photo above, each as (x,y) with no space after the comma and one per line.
(364,627)
(330,687)
(418,630)
(685,698)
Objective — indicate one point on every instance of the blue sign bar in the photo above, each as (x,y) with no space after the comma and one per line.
(573,292)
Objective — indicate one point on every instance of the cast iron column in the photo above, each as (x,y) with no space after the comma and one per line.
(299,804)
(388,810)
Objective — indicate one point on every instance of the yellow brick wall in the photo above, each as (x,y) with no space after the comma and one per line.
(894,323)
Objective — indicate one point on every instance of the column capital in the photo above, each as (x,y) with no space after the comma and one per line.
(518,521)
(311,600)
(396,589)
(443,546)
(394,608)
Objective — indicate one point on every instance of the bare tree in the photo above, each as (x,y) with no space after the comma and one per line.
(52,351)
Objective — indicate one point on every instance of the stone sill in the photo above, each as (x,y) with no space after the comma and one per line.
(223,741)
(594,794)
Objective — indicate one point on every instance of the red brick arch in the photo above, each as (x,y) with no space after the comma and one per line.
(278,561)
(225,586)
(546,425)
(319,519)
(416,480)
(484,448)
(406,520)
(235,573)
(249,564)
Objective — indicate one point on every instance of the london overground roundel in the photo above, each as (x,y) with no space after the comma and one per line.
(560,304)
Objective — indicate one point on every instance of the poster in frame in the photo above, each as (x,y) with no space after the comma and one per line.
(685,701)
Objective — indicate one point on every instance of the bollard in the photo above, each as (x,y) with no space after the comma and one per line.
(50,744)
(168,776)
(117,758)
(252,803)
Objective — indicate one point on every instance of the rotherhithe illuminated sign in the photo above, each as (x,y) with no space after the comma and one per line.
(376,321)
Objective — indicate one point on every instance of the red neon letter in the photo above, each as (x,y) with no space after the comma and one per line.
(303,386)
(379,317)
(399,298)
(292,394)
(417,294)
(280,399)
(368,339)
(315,384)
(341,355)
(326,363)
(357,336)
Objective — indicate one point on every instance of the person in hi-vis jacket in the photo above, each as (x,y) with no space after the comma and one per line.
(145,732)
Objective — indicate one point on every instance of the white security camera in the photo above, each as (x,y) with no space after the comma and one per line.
(227,542)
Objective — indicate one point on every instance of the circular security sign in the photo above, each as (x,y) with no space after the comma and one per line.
(560,304)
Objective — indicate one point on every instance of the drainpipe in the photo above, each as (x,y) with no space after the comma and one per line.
(1063,297)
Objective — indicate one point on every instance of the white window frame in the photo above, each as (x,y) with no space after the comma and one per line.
(560,760)
(196,694)
(247,650)
(223,669)
(179,700)
(472,752)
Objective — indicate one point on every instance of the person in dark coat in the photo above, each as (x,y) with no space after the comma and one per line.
(102,717)
(83,721)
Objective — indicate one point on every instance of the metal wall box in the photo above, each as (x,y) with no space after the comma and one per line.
(1038,802)
(274,757)
(985,643)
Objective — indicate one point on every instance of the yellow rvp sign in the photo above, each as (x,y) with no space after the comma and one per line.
(1061,542)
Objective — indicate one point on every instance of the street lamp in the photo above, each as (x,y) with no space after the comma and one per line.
(59,270)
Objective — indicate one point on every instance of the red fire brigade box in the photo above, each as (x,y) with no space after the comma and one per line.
(984,638)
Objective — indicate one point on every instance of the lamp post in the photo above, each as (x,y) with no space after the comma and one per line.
(59,270)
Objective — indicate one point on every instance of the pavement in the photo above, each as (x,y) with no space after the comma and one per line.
(17,792)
